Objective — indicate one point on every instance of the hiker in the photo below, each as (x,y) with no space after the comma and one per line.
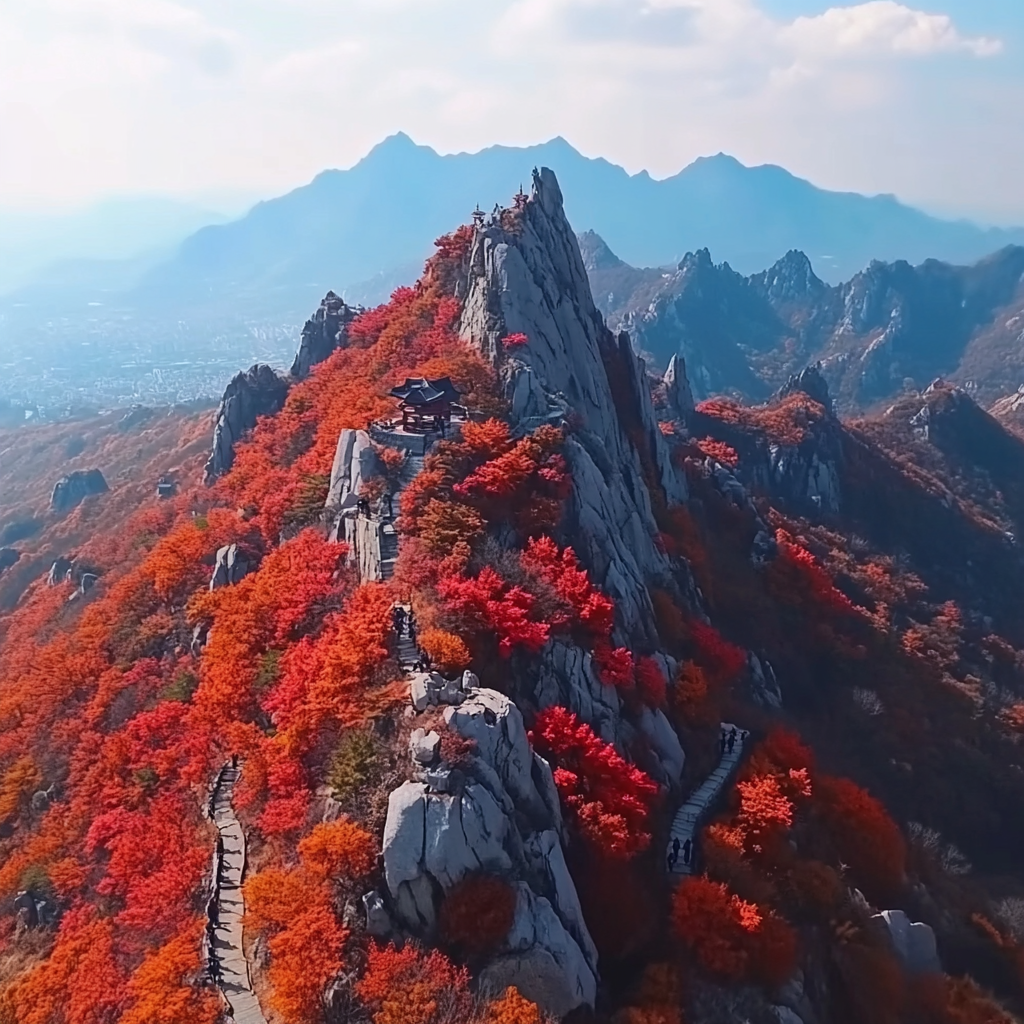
(732,740)
(721,742)
(671,863)
(234,761)
(675,849)
(398,619)
(687,851)
(425,661)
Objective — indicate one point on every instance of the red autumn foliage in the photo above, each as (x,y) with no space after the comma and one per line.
(650,682)
(486,603)
(866,837)
(610,800)
(730,937)
(719,451)
(514,340)
(797,577)
(477,914)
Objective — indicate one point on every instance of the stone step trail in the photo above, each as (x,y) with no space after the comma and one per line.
(235,980)
(687,821)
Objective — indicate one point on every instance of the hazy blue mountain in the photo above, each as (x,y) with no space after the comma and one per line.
(36,247)
(348,227)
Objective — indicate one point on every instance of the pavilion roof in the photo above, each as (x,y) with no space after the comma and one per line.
(420,391)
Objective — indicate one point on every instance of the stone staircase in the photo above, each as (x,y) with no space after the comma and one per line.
(226,953)
(689,818)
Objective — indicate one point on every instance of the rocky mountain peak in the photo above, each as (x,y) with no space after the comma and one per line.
(791,279)
(325,331)
(259,391)
(596,253)
(527,276)
(810,382)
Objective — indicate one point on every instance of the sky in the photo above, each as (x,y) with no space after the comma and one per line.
(217,99)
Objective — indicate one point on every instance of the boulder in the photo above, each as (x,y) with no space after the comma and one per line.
(259,391)
(71,490)
(433,840)
(424,747)
(232,567)
(355,462)
(324,332)
(912,941)
(419,691)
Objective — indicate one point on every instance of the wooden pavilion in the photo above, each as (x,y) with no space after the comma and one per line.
(422,402)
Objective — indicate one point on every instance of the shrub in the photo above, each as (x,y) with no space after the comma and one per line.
(352,764)
(477,914)
(447,651)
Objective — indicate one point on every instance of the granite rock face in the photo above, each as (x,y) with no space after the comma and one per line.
(810,382)
(71,490)
(679,394)
(573,370)
(324,332)
(232,567)
(355,462)
(259,391)
(498,812)
(913,942)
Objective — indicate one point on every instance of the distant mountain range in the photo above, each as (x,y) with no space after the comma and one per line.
(379,218)
(891,327)
(245,287)
(364,230)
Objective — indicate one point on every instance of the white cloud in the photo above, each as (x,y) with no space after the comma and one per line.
(183,95)
(884,27)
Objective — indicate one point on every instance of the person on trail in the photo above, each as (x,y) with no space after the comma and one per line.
(687,851)
(425,661)
(398,619)
(675,849)
(732,740)
(721,742)
(234,761)
(671,863)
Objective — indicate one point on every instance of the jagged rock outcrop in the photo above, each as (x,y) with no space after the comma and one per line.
(532,280)
(497,812)
(355,462)
(59,571)
(678,393)
(912,941)
(324,332)
(71,490)
(259,391)
(810,382)
(232,567)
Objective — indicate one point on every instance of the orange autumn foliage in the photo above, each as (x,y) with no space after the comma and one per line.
(512,1008)
(338,848)
(407,986)
(447,651)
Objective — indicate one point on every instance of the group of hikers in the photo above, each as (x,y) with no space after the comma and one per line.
(213,966)
(680,849)
(404,623)
(727,740)
(385,507)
